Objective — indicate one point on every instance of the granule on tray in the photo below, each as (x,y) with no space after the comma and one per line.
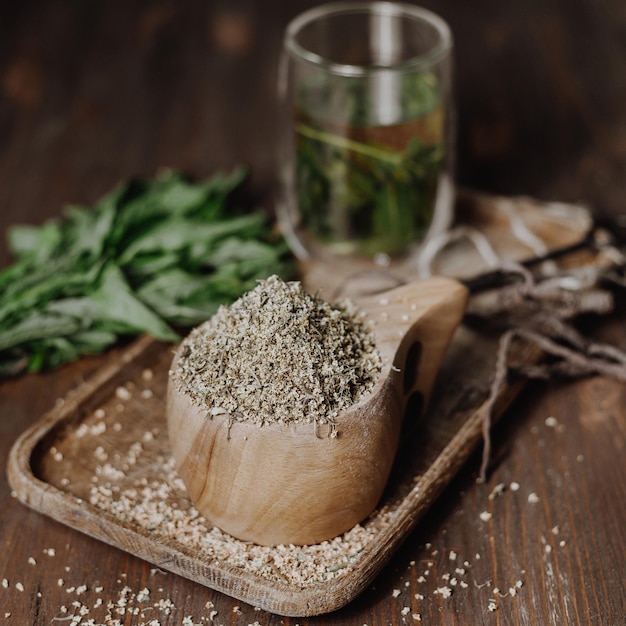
(150,505)
(122,393)
(143,595)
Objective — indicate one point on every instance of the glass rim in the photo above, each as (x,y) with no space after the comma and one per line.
(375,7)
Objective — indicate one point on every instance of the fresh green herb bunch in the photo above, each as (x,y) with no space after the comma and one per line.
(364,187)
(148,256)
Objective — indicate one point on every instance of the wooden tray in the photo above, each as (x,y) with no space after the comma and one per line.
(107,443)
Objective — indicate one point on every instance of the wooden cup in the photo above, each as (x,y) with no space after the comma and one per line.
(288,484)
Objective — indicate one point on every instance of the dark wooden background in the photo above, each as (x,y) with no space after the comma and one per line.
(94,92)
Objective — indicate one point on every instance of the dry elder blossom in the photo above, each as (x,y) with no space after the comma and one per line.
(278,354)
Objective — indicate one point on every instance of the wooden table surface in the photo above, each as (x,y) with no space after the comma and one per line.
(94,92)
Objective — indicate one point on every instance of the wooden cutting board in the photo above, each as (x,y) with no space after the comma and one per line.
(100,461)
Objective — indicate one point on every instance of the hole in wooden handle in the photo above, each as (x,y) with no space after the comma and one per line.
(411,366)
(413,408)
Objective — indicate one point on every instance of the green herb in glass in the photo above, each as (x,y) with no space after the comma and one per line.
(364,187)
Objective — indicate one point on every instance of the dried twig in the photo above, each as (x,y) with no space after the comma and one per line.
(540,313)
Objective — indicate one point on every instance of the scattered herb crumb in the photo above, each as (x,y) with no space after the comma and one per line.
(497,491)
(444,592)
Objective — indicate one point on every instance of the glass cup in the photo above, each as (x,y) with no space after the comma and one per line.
(366,131)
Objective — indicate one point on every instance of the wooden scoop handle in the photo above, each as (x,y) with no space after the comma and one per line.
(412,326)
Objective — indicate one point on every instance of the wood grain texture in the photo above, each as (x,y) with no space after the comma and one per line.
(91,93)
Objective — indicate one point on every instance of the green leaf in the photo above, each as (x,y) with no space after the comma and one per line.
(38,242)
(57,279)
(37,326)
(177,236)
(117,303)
(183,198)
(88,230)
